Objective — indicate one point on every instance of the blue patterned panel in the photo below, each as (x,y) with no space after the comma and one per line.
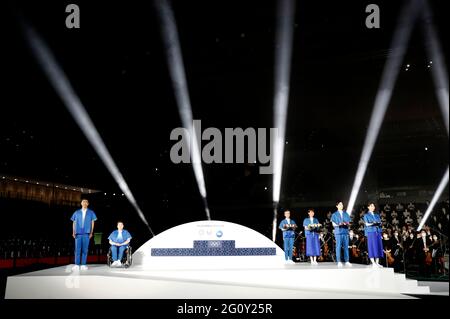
(214,248)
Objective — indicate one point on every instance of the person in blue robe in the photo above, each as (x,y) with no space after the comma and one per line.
(373,232)
(311,225)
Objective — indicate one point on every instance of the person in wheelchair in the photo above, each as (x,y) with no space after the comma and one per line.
(119,241)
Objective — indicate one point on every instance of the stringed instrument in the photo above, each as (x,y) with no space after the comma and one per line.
(324,251)
(355,252)
(390,259)
(428,257)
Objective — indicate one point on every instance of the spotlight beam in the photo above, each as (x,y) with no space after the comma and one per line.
(435,198)
(283,44)
(62,86)
(391,69)
(179,83)
(438,68)
(440,79)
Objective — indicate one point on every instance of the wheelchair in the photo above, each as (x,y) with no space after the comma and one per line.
(126,258)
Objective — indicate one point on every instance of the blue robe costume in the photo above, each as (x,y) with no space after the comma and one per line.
(312,238)
(117,251)
(82,232)
(373,234)
(341,234)
(288,238)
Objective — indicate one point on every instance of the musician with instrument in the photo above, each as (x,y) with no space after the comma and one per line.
(341,221)
(435,248)
(423,254)
(288,227)
(410,250)
(387,248)
(397,247)
(312,227)
(354,243)
(372,230)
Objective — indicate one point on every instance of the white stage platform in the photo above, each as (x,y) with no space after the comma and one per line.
(283,281)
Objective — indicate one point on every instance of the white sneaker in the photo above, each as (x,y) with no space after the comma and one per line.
(84,267)
(290,261)
(379,266)
(316,263)
(347,264)
(340,264)
(374,265)
(76,268)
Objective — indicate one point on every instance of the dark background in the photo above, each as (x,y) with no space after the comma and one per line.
(117,65)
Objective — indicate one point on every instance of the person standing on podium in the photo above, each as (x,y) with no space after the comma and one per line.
(341,221)
(373,231)
(288,227)
(82,230)
(311,226)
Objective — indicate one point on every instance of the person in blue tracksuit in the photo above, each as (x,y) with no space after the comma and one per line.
(82,230)
(341,223)
(288,227)
(372,230)
(119,240)
(311,226)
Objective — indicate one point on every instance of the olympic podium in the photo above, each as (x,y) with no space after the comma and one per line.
(212,260)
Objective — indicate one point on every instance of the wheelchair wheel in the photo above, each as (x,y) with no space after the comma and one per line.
(128,257)
(109,258)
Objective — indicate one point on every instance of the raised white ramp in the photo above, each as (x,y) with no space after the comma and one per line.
(284,281)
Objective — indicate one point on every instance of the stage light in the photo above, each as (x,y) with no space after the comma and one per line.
(391,69)
(440,78)
(439,69)
(179,82)
(426,148)
(434,200)
(62,86)
(283,53)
